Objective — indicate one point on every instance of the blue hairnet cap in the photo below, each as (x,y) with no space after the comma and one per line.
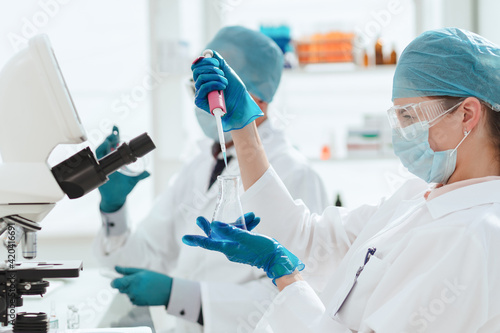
(449,62)
(256,59)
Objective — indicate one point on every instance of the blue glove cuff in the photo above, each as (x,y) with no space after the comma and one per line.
(239,120)
(106,207)
(284,263)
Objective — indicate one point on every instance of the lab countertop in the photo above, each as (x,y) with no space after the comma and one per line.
(90,293)
(96,330)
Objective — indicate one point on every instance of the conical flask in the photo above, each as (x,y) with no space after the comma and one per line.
(228,208)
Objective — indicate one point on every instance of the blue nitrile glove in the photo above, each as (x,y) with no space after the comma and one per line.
(214,73)
(247,248)
(114,192)
(143,287)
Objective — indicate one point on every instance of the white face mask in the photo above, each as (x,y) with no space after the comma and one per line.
(418,157)
(209,127)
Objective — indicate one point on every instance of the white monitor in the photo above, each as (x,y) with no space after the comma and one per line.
(36,109)
(36,114)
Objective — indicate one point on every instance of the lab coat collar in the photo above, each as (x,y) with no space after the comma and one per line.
(464,198)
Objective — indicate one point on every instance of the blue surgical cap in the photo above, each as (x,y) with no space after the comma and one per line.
(449,62)
(256,59)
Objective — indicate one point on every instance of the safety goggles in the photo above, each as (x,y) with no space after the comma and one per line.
(411,120)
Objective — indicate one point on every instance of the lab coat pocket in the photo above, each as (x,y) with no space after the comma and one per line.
(354,305)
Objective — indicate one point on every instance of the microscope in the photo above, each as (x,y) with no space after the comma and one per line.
(37,114)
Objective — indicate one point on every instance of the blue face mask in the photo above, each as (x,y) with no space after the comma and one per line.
(418,157)
(209,127)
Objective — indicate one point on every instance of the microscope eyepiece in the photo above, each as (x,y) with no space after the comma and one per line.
(82,173)
(141,145)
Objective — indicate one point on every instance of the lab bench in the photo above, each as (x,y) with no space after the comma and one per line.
(90,293)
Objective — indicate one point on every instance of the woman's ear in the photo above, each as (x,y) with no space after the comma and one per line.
(472,113)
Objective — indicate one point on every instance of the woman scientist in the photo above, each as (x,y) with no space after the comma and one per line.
(423,260)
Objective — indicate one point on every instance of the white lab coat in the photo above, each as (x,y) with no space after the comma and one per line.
(234,297)
(435,268)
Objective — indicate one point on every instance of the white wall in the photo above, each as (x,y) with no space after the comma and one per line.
(488,19)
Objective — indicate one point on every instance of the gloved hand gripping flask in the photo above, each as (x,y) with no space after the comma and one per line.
(228,207)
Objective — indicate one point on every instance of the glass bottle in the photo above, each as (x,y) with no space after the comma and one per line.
(53,321)
(379,53)
(394,56)
(228,207)
(338,202)
(73,317)
(366,58)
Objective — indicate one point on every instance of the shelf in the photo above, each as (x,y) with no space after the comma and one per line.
(348,68)
(348,160)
